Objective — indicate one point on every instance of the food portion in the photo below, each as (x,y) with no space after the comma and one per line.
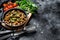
(26,5)
(15,18)
(9,5)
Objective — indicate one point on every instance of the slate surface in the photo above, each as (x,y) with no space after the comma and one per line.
(46,21)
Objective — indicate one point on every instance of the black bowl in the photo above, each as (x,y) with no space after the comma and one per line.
(11,10)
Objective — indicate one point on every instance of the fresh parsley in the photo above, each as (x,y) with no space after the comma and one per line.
(27,5)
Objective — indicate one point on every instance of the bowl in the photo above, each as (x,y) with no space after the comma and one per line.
(11,10)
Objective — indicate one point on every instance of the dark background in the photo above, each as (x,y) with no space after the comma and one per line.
(46,21)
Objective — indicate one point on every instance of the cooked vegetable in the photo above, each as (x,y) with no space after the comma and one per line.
(14,4)
(15,17)
(9,5)
(6,9)
(4,5)
(27,5)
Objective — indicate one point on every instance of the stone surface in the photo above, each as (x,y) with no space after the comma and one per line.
(46,21)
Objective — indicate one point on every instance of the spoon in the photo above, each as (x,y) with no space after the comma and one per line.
(29,30)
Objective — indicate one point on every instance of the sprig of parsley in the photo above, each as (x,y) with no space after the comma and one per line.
(27,5)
